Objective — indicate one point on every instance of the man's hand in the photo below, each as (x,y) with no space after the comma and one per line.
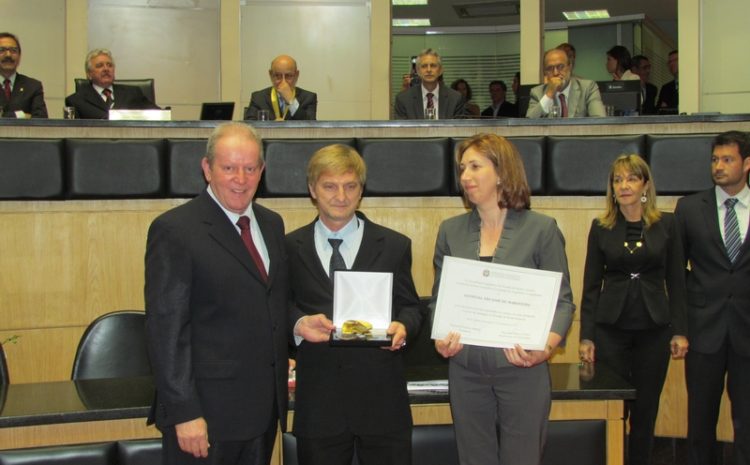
(554,84)
(286,91)
(193,437)
(314,328)
(679,347)
(397,330)
(587,351)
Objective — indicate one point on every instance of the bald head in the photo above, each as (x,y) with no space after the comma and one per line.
(283,69)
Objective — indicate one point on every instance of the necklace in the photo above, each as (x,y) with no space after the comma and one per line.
(638,245)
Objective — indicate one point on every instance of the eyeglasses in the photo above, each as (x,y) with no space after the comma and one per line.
(552,68)
(12,50)
(280,76)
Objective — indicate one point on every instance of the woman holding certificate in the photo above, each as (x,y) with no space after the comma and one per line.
(633,303)
(500,398)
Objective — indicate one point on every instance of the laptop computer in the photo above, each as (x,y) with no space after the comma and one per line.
(217,111)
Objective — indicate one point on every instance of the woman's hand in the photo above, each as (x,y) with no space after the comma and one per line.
(519,357)
(450,345)
(586,350)
(679,347)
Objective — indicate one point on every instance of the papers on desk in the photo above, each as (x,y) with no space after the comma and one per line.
(437,385)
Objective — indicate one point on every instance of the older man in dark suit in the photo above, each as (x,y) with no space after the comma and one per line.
(95,100)
(20,96)
(416,102)
(714,228)
(283,100)
(216,313)
(348,395)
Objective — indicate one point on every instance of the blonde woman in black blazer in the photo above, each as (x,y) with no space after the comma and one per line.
(633,303)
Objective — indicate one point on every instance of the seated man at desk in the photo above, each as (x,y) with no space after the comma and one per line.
(95,100)
(283,100)
(21,96)
(572,96)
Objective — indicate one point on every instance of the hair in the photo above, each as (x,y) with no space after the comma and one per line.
(8,35)
(518,76)
(622,55)
(500,83)
(429,51)
(636,165)
(95,53)
(673,52)
(544,58)
(569,50)
(738,138)
(513,189)
(230,129)
(454,86)
(336,159)
(638,59)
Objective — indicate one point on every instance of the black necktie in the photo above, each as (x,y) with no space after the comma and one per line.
(731,230)
(337,260)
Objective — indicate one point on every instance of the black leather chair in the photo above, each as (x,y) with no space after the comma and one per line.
(286,165)
(146,85)
(139,452)
(580,165)
(113,346)
(4,375)
(125,168)
(84,454)
(404,167)
(184,167)
(32,169)
(680,164)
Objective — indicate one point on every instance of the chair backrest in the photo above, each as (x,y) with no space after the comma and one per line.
(4,377)
(113,346)
(146,86)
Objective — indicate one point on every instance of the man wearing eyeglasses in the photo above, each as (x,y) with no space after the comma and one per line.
(20,96)
(563,95)
(283,100)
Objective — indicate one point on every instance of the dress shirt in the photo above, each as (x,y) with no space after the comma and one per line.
(546,102)
(100,89)
(741,208)
(255,233)
(351,234)
(435,99)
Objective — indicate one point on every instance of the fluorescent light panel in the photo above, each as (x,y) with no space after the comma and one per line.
(585,14)
(408,2)
(414,22)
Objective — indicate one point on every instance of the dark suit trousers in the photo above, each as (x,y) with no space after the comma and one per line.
(705,383)
(642,358)
(254,451)
(386,449)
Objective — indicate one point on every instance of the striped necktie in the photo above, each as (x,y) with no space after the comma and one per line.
(731,230)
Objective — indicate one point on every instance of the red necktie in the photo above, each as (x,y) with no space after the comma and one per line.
(563,106)
(6,87)
(244,224)
(108,96)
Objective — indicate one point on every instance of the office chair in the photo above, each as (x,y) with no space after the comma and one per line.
(146,86)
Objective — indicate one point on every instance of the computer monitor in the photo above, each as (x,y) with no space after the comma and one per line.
(623,96)
(217,111)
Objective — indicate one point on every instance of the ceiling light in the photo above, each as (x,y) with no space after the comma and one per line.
(485,10)
(585,14)
(415,22)
(408,2)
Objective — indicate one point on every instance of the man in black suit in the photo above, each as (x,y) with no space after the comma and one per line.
(641,66)
(94,101)
(283,100)
(714,227)
(348,395)
(669,97)
(216,297)
(20,96)
(432,93)
(500,107)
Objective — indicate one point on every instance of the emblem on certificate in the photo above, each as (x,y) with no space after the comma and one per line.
(361,308)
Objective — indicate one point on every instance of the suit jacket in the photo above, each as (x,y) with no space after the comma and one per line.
(217,333)
(668,96)
(718,291)
(506,109)
(409,105)
(90,105)
(648,106)
(530,240)
(362,390)
(27,95)
(583,100)
(261,100)
(607,277)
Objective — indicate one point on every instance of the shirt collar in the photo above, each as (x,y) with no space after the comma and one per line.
(743,196)
(233,217)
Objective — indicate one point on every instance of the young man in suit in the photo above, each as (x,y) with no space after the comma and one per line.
(349,395)
(283,100)
(642,67)
(500,107)
(216,313)
(714,227)
(18,93)
(669,96)
(95,100)
(431,93)
(574,96)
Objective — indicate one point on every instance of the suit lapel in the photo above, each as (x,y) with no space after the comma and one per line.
(711,222)
(94,98)
(443,102)
(573,97)
(273,245)
(371,247)
(309,257)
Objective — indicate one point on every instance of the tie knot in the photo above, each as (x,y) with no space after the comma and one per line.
(6,81)
(335,243)
(730,203)
(107,93)
(243,223)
